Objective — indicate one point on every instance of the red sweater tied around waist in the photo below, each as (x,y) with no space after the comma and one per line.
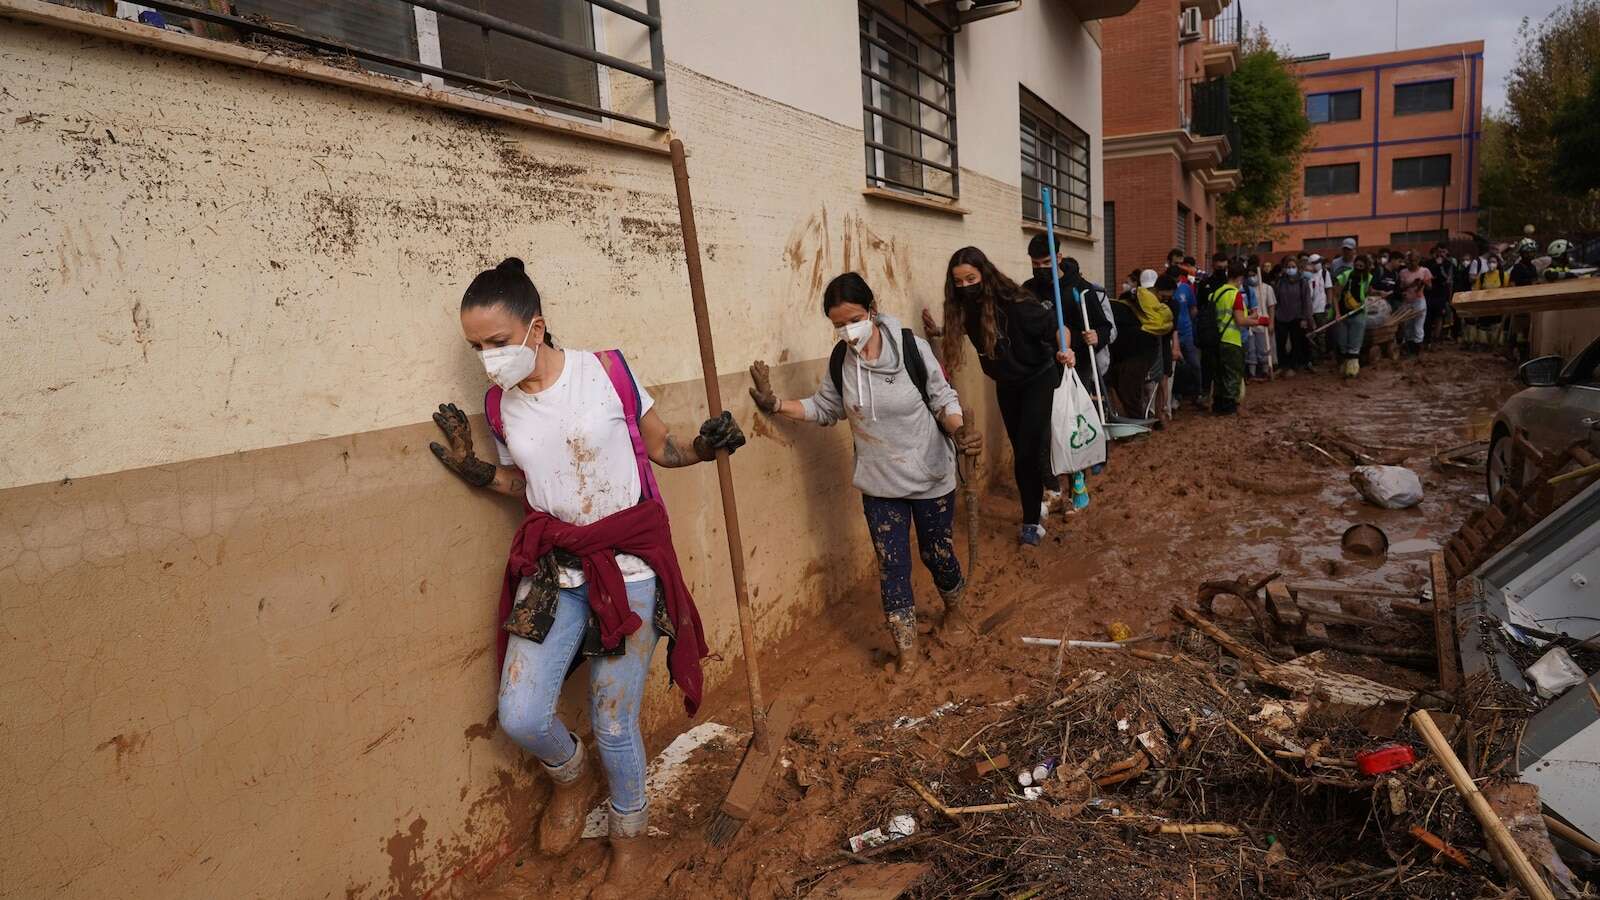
(642,531)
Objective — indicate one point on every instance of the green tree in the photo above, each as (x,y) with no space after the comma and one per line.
(1546,91)
(1272,129)
(1577,133)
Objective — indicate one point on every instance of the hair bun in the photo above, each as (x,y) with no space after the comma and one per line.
(511,264)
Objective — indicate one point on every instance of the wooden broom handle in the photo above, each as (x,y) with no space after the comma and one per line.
(730,507)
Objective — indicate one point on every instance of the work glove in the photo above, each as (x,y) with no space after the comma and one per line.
(720,433)
(969,442)
(458,456)
(761,390)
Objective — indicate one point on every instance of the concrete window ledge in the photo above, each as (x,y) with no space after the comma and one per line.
(1076,237)
(947,207)
(253,57)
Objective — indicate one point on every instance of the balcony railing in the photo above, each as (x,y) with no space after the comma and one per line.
(1228,28)
(1208,107)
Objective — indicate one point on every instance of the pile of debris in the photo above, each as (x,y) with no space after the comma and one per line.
(1303,748)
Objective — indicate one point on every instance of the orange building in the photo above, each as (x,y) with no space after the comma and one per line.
(1395,149)
(1168,157)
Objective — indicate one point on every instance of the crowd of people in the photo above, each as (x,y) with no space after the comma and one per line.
(592,572)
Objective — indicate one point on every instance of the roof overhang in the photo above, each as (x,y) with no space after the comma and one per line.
(1221,181)
(1220,59)
(1087,10)
(1197,153)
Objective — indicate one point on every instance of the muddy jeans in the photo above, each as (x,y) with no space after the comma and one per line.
(1350,335)
(890,522)
(530,687)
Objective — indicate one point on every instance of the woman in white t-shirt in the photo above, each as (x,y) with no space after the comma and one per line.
(576,428)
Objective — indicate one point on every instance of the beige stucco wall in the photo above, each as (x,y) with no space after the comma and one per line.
(247,619)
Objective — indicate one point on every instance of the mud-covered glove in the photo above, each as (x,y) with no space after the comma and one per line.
(458,456)
(720,433)
(969,442)
(761,389)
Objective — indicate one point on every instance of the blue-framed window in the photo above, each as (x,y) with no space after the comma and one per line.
(1424,97)
(1340,178)
(1421,171)
(1334,106)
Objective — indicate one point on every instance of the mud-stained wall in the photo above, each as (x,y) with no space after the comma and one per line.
(247,642)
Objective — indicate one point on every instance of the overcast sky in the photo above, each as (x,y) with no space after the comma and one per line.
(1317,26)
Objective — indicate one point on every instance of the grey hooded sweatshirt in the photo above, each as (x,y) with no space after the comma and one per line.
(901,453)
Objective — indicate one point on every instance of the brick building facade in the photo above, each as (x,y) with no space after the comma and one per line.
(1394,158)
(1168,156)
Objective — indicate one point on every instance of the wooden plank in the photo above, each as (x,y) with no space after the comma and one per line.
(1281,603)
(1495,518)
(1444,624)
(1457,565)
(1572,293)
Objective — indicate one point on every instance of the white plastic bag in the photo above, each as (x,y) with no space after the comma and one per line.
(1077,436)
(1391,487)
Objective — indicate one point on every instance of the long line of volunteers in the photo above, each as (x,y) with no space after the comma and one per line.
(592,572)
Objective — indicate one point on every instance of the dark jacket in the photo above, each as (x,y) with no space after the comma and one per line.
(1072,313)
(1294,299)
(1025,343)
(1523,273)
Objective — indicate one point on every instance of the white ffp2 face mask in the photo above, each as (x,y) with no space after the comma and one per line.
(856,334)
(509,366)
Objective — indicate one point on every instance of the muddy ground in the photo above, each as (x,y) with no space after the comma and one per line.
(1208,498)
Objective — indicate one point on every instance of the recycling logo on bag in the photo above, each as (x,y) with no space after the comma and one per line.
(1079,440)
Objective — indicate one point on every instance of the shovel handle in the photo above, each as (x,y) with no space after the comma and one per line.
(730,507)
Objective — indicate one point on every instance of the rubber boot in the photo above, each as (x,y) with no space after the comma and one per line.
(628,871)
(903,628)
(1080,491)
(576,789)
(956,630)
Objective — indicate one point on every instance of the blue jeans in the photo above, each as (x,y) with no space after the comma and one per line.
(530,686)
(890,522)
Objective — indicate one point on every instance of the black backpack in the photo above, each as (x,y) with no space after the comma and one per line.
(910,356)
(1207,330)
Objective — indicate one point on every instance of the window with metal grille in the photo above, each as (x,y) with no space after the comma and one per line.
(541,53)
(1343,178)
(1430,237)
(1055,153)
(908,98)
(1111,239)
(1211,239)
(1334,106)
(1331,243)
(1183,228)
(1424,96)
(1421,171)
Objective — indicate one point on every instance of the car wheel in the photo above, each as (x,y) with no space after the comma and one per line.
(1503,467)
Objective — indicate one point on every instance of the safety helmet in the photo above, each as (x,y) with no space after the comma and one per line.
(1559,247)
(1526,245)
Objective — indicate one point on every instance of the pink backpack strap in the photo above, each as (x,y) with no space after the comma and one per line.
(628,392)
(491,412)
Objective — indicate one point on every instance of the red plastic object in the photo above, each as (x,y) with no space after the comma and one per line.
(1385,759)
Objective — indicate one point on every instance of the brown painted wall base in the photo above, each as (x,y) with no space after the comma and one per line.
(294,646)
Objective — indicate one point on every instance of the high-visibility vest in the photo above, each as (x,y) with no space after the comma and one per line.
(1223,299)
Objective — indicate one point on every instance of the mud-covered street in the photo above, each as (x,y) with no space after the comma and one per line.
(1209,498)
